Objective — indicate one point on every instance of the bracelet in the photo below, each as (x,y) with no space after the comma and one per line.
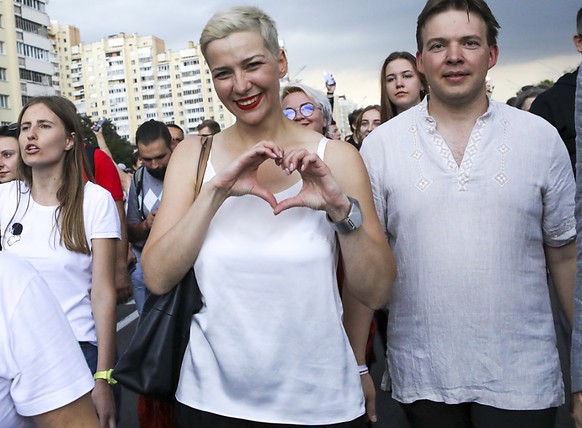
(363,369)
(106,376)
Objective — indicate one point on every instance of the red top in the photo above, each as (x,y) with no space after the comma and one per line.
(106,175)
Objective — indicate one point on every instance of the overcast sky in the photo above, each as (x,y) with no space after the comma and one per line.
(349,38)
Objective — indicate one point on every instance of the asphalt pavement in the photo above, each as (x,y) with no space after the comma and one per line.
(389,413)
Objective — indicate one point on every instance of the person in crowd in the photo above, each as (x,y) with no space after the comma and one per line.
(177,134)
(368,120)
(50,388)
(306,106)
(333,132)
(9,152)
(401,85)
(330,86)
(477,201)
(67,228)
(110,176)
(556,105)
(352,117)
(526,96)
(154,144)
(208,127)
(262,232)
(576,351)
(124,175)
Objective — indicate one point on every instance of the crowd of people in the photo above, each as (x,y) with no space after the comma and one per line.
(440,222)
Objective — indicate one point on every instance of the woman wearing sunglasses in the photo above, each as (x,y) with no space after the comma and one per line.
(306,106)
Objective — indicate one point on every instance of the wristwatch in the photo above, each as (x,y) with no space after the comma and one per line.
(105,375)
(352,222)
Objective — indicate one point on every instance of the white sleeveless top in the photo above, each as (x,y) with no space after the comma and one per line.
(269,343)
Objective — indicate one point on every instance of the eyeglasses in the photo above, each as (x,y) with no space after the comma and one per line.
(306,110)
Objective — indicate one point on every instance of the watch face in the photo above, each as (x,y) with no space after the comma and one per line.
(353,221)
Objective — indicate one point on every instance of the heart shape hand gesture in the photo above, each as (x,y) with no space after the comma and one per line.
(320,190)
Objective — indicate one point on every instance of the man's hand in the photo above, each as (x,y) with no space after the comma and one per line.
(123,285)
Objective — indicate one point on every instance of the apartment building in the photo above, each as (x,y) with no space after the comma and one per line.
(27,64)
(130,79)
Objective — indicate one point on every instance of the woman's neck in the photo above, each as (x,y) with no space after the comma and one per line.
(45,185)
(269,130)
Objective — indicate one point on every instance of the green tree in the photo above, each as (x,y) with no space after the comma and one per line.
(547,83)
(120,147)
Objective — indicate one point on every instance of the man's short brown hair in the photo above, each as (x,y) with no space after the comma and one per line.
(478,7)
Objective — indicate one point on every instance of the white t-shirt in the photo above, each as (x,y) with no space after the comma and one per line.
(269,343)
(66,272)
(42,367)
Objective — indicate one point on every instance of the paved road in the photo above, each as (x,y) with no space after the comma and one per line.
(389,413)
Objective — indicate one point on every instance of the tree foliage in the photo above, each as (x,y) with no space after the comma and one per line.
(546,83)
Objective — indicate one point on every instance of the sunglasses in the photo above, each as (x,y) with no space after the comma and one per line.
(306,110)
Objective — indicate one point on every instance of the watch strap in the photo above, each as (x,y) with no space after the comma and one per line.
(353,221)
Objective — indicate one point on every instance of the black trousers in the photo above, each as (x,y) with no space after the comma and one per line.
(186,417)
(429,414)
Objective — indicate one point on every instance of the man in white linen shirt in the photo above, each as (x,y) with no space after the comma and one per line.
(476,199)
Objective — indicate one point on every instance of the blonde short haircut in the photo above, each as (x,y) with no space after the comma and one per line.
(241,18)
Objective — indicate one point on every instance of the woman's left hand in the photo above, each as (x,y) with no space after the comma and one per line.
(102,396)
(320,190)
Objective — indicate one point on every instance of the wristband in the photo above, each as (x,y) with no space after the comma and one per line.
(105,375)
(363,369)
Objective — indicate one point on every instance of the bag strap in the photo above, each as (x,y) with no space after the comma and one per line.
(202,162)
(138,185)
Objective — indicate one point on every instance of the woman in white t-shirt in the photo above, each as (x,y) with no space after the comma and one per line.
(268,346)
(67,229)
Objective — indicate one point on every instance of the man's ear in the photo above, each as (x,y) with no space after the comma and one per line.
(419,63)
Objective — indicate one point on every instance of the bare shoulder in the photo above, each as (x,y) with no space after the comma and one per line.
(347,167)
(191,144)
(339,154)
(186,153)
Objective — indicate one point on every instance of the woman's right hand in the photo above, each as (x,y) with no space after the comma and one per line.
(240,177)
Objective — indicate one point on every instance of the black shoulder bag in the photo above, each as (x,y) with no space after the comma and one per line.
(151,364)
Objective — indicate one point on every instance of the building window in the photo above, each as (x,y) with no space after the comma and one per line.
(2,73)
(3,101)
(2,48)
(31,27)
